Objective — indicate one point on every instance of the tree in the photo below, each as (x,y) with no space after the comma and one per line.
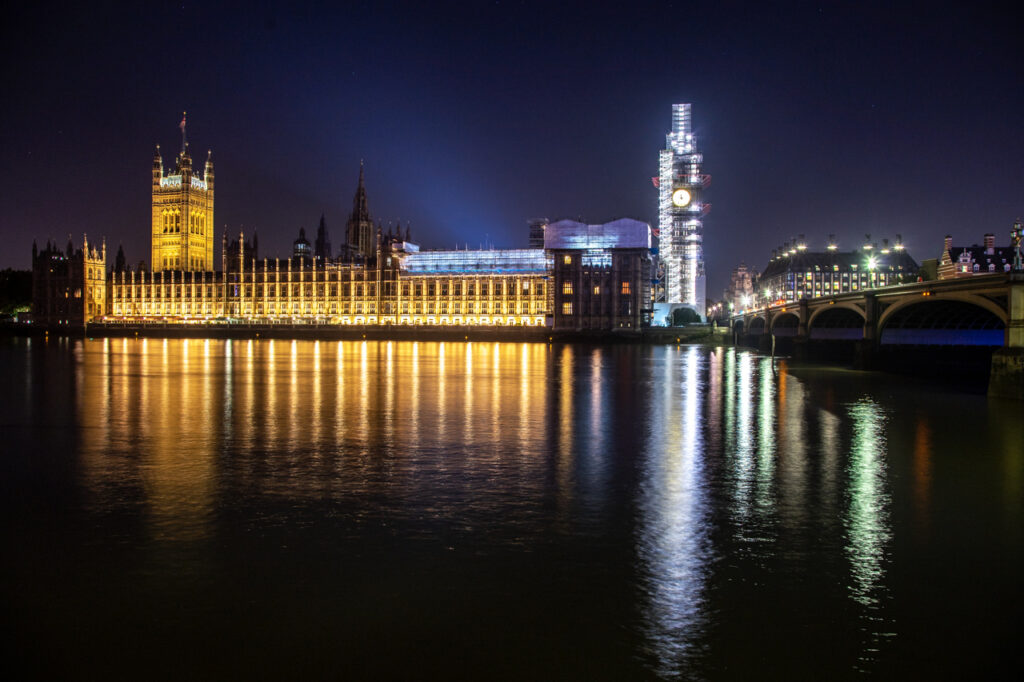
(684,316)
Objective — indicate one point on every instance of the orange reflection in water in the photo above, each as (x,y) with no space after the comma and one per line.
(922,470)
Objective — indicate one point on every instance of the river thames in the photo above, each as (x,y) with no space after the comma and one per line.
(210,509)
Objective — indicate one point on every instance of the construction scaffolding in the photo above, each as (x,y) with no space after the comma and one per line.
(680,208)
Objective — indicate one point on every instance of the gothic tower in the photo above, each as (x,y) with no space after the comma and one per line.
(182,237)
(359,230)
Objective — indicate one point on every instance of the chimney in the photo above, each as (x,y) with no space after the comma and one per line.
(948,244)
(990,244)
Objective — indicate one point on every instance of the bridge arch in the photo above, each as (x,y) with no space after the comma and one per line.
(979,301)
(756,326)
(785,324)
(837,323)
(738,326)
(950,320)
(844,305)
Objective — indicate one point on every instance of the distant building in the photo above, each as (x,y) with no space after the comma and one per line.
(322,247)
(301,247)
(537,228)
(239,254)
(601,273)
(794,272)
(742,287)
(965,261)
(69,287)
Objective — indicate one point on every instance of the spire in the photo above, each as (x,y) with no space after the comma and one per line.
(360,209)
(184,142)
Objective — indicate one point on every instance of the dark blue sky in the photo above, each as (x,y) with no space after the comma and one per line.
(845,118)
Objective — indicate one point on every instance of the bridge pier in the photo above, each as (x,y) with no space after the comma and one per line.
(865,351)
(1006,378)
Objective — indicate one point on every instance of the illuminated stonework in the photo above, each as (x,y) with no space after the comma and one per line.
(394,290)
(183,227)
(379,279)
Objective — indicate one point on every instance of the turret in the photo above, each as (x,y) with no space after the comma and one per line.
(208,171)
(158,167)
(185,164)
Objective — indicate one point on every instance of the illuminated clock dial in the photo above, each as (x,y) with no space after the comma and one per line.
(680,197)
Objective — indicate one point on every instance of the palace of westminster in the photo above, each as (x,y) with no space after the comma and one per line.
(574,276)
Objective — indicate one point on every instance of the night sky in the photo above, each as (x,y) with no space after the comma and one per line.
(842,118)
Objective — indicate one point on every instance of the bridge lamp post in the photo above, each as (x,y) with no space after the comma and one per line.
(872,264)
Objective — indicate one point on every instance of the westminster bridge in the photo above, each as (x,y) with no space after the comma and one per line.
(941,323)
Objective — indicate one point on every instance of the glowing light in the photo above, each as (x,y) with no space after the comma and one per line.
(680,197)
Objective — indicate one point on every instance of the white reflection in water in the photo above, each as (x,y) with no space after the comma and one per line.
(673,545)
(867,522)
(743,460)
(766,428)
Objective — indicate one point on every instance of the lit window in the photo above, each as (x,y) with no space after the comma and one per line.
(625,288)
(567,260)
(567,308)
(597,291)
(566,287)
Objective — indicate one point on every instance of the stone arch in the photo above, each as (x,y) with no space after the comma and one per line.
(837,323)
(844,305)
(757,325)
(786,324)
(953,320)
(972,299)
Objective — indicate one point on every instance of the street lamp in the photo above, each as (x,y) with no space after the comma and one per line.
(872,264)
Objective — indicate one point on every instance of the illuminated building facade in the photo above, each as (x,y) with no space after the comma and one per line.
(742,286)
(601,274)
(183,226)
(377,279)
(794,272)
(966,261)
(680,209)
(400,285)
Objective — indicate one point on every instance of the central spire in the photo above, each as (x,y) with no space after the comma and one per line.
(360,209)
(184,142)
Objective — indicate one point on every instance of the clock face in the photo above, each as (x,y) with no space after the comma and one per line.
(680,197)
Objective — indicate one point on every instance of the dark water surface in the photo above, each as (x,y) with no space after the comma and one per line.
(191,509)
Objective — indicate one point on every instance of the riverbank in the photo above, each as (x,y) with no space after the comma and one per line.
(703,334)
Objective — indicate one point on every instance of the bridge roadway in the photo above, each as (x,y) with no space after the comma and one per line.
(980,310)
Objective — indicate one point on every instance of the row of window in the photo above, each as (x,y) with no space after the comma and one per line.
(347,289)
(567,289)
(172,222)
(344,308)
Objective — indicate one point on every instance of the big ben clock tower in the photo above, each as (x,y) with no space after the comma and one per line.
(681,207)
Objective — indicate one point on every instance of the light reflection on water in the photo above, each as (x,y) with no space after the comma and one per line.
(660,501)
(673,534)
